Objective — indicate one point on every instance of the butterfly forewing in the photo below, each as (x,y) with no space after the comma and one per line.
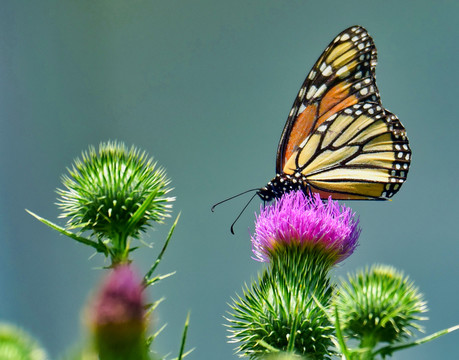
(343,76)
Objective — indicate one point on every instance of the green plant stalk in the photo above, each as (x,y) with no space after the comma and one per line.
(390,349)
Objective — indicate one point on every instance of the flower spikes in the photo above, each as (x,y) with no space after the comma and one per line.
(297,220)
(105,190)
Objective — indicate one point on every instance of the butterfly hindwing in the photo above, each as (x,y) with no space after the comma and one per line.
(359,153)
(342,76)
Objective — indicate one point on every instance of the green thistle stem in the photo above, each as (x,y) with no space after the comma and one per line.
(365,351)
(390,349)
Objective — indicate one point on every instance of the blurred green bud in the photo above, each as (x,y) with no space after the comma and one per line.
(16,344)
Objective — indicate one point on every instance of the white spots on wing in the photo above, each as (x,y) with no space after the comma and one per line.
(364,91)
(322,128)
(312,90)
(358,75)
(348,111)
(301,92)
(321,90)
(332,117)
(342,70)
(367,106)
(327,71)
(312,74)
(405,146)
(301,109)
(358,112)
(371,111)
(407,156)
(360,46)
(345,37)
(292,111)
(322,67)
(304,142)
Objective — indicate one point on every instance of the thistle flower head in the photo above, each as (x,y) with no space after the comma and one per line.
(379,304)
(120,298)
(117,315)
(105,189)
(283,312)
(296,220)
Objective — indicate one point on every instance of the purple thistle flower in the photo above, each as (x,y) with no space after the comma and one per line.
(296,220)
(117,316)
(120,298)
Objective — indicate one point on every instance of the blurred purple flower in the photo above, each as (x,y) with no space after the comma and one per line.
(120,298)
(117,316)
(297,220)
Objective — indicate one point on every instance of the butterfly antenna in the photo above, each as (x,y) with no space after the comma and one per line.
(245,207)
(234,196)
(310,191)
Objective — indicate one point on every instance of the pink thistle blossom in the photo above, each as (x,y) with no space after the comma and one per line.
(297,220)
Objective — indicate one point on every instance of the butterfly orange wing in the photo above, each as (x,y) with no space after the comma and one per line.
(338,135)
(341,77)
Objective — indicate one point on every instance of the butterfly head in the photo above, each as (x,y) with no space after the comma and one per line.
(281,184)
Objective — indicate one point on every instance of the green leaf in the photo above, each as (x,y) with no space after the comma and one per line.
(99,246)
(182,345)
(147,280)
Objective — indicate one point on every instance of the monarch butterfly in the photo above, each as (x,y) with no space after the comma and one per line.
(338,140)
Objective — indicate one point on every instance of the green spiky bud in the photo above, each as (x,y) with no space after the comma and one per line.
(379,304)
(16,344)
(114,194)
(280,312)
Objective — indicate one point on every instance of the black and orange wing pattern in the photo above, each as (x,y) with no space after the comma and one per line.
(338,139)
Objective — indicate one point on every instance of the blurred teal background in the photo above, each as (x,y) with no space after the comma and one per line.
(205,87)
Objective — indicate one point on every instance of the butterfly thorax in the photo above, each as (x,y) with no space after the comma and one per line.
(281,184)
